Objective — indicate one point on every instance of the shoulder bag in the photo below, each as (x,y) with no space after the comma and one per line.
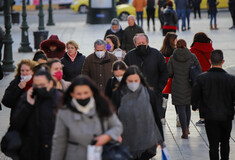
(114,150)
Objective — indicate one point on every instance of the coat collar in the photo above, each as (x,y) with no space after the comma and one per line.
(214,69)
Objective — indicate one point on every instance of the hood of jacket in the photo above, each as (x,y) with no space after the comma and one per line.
(181,54)
(203,47)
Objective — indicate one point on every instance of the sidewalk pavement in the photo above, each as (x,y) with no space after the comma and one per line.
(74,27)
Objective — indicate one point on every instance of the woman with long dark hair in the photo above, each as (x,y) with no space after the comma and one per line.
(136,108)
(78,121)
(168,47)
(202,47)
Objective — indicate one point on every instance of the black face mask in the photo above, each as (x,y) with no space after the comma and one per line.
(141,50)
(41,92)
(83,102)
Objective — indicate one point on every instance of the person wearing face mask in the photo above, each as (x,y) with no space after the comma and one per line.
(78,121)
(72,61)
(151,63)
(19,85)
(136,109)
(53,47)
(57,73)
(98,65)
(113,46)
(35,117)
(129,33)
(118,69)
(115,29)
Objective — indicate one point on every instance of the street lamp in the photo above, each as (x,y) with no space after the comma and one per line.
(24,31)
(41,17)
(50,15)
(7,61)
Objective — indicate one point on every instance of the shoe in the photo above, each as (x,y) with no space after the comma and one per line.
(164,102)
(184,134)
(200,123)
(211,27)
(183,29)
(216,27)
(163,120)
(148,29)
(154,28)
(178,121)
(189,28)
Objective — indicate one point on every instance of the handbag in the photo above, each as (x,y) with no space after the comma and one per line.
(114,150)
(167,89)
(194,71)
(11,143)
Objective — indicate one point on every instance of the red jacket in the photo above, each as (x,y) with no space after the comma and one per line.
(203,48)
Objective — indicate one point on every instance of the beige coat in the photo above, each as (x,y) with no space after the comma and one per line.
(99,70)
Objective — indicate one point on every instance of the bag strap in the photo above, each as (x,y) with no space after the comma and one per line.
(102,124)
(205,57)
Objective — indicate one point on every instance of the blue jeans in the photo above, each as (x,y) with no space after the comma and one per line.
(184,112)
(213,16)
(181,14)
(139,16)
(188,11)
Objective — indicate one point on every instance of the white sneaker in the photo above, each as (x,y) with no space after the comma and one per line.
(164,102)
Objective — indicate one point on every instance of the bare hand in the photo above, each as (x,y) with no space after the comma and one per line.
(102,139)
(22,84)
(30,100)
(120,139)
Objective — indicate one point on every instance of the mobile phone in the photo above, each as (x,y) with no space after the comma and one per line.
(93,142)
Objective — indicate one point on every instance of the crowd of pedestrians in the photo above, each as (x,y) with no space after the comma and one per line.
(62,102)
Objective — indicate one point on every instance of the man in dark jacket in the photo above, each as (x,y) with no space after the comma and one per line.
(151,63)
(215,91)
(231,4)
(34,118)
(151,5)
(115,29)
(129,33)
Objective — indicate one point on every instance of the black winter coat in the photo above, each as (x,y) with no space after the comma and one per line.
(178,68)
(116,99)
(118,34)
(12,95)
(36,125)
(170,17)
(212,6)
(110,86)
(72,69)
(128,35)
(214,93)
(152,65)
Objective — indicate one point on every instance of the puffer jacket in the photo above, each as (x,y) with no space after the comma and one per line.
(170,17)
(71,68)
(139,5)
(178,68)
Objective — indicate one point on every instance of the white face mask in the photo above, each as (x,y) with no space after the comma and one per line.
(26,78)
(133,86)
(119,79)
(100,54)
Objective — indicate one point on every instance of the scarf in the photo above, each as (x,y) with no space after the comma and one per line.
(87,109)
(140,132)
